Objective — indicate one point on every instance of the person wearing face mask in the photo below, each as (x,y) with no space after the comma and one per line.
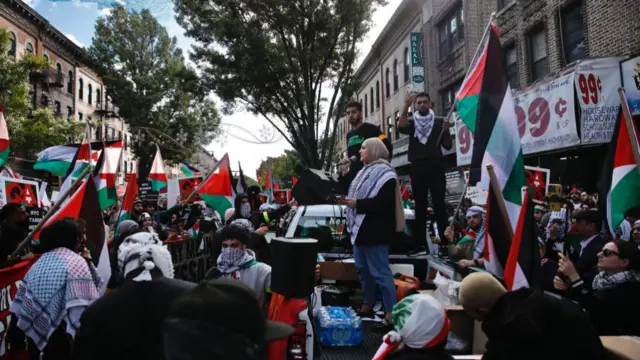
(238,262)
(14,227)
(260,218)
(426,137)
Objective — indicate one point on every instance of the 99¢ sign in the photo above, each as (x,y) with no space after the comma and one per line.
(545,116)
(464,143)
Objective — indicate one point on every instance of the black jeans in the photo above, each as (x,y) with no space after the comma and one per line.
(428,177)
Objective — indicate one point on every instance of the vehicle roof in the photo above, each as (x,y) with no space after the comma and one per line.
(335,210)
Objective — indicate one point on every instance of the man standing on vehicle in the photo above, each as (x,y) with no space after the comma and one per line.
(426,135)
(360,131)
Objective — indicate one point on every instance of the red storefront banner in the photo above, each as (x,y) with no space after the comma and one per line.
(10,281)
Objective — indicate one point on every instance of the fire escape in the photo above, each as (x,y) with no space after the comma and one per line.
(47,81)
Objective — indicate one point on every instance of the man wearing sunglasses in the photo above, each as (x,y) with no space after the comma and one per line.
(588,226)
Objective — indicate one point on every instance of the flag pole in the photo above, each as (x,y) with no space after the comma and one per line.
(495,185)
(59,201)
(630,126)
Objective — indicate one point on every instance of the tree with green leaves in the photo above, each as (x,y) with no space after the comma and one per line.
(29,131)
(283,168)
(286,60)
(155,92)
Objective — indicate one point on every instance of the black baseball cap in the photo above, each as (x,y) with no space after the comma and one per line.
(592,216)
(225,306)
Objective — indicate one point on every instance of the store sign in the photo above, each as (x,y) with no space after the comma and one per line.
(631,83)
(417,68)
(597,82)
(546,119)
(545,116)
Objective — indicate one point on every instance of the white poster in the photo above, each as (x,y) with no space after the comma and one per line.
(597,82)
(546,116)
(631,83)
(464,142)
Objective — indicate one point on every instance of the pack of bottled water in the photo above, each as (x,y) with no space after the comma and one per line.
(338,326)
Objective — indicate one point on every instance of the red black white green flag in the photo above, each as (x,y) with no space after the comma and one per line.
(497,236)
(523,264)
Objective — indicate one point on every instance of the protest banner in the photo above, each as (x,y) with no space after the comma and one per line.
(19,191)
(10,280)
(538,178)
(187,186)
(597,82)
(631,82)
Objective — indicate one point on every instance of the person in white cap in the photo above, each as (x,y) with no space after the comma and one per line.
(420,331)
(469,249)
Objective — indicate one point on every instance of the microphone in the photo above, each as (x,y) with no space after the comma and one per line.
(352,159)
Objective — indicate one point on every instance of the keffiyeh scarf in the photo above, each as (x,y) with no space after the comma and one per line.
(232,260)
(59,286)
(423,126)
(366,185)
(602,281)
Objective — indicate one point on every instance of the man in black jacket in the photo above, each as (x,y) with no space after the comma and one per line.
(426,135)
(528,324)
(588,225)
(360,132)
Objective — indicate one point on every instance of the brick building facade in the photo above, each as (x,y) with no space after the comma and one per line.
(68,86)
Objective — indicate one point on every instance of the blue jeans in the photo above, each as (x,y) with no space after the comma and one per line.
(372,263)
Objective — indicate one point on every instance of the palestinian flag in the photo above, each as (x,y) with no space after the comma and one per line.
(241,183)
(523,263)
(4,139)
(497,239)
(157,175)
(84,204)
(217,190)
(81,161)
(496,137)
(468,97)
(56,159)
(620,181)
(130,196)
(188,170)
(195,230)
(105,176)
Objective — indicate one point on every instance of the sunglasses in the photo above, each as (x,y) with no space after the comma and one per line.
(607,253)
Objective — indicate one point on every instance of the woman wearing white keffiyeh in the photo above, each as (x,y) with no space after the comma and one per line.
(611,300)
(374,218)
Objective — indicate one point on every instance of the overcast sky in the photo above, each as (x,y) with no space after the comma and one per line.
(240,144)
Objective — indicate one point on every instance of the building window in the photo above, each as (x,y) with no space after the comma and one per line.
(387,84)
(377,94)
(538,55)
(503,3)
(511,59)
(46,57)
(366,106)
(80,116)
(451,32)
(395,124)
(80,89)
(70,82)
(57,108)
(371,98)
(575,47)
(448,97)
(407,64)
(389,126)
(99,132)
(395,74)
(59,68)
(29,48)
(98,98)
(12,44)
(69,112)
(89,93)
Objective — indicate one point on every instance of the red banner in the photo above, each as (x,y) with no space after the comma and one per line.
(10,280)
(187,185)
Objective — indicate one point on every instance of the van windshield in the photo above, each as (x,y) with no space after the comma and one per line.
(330,231)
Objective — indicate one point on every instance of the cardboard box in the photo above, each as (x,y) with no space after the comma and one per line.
(338,270)
(621,347)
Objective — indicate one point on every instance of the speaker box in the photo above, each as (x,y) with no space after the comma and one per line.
(316,187)
(293,264)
